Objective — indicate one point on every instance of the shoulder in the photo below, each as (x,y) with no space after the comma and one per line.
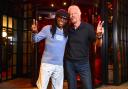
(46,28)
(87,25)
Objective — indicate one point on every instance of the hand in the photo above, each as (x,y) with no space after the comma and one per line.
(100,28)
(34,26)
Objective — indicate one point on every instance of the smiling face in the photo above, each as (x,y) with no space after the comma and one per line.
(61,21)
(75,14)
(62,17)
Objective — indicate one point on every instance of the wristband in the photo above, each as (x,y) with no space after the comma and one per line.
(99,35)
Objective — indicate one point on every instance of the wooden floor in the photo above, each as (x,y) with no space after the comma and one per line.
(24,83)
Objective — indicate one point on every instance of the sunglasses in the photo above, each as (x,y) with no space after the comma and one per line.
(62,18)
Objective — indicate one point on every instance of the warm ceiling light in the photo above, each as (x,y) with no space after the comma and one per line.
(64,3)
(52,5)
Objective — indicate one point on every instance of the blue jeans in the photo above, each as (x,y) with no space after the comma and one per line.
(83,69)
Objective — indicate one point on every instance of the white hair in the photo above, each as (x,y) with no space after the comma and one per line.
(74,7)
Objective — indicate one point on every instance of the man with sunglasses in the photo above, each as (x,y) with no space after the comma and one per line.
(55,36)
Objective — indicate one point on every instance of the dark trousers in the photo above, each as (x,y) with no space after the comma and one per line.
(73,68)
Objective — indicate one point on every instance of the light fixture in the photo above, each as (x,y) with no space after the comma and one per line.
(4,34)
(52,5)
(64,3)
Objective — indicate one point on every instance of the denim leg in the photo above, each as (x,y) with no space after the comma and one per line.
(85,75)
(71,75)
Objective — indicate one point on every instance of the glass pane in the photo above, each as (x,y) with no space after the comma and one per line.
(30,48)
(25,24)
(14,38)
(29,6)
(24,69)
(30,23)
(14,64)
(14,47)
(15,23)
(29,58)
(110,74)
(25,36)
(14,59)
(25,14)
(24,48)
(10,33)
(24,63)
(5,21)
(30,13)
(25,7)
(9,57)
(30,36)
(10,22)
(9,72)
(10,38)
(4,33)
(14,70)
(4,75)
(0,77)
